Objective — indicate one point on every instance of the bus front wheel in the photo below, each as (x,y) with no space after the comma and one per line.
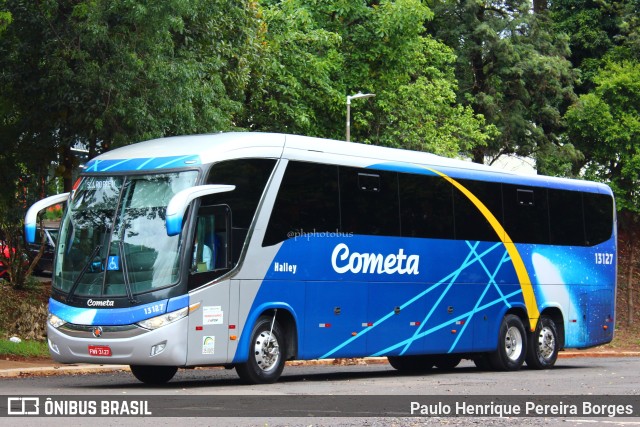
(512,345)
(153,375)
(543,345)
(266,360)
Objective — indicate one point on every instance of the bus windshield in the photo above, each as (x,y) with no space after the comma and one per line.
(111,241)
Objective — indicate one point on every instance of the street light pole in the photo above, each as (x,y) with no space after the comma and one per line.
(349,98)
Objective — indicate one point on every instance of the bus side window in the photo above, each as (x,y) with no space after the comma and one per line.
(566,218)
(204,245)
(369,202)
(307,203)
(211,240)
(426,206)
(526,214)
(470,222)
(598,214)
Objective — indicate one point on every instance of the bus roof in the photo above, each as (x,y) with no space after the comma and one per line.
(188,151)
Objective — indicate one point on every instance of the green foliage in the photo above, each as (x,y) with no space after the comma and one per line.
(315,53)
(111,72)
(591,26)
(24,348)
(597,31)
(605,126)
(5,20)
(481,78)
(512,70)
(54,213)
(295,85)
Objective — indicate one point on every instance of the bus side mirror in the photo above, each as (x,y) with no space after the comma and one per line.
(178,204)
(31,219)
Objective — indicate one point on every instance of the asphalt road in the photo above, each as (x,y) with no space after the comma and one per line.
(369,390)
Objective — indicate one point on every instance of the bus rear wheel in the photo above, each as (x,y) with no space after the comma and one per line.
(266,361)
(512,345)
(153,375)
(411,363)
(543,345)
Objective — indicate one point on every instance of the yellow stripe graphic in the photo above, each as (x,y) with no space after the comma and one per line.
(516,259)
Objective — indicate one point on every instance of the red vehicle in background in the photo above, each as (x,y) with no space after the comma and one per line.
(5,254)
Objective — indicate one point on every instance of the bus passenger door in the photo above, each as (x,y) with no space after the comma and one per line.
(209,325)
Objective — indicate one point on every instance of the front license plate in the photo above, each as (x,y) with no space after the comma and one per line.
(99,350)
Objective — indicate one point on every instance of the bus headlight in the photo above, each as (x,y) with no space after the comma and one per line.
(55,321)
(165,319)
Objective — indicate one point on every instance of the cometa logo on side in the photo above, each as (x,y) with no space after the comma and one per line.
(343,261)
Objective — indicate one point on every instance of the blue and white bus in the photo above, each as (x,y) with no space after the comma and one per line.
(247,250)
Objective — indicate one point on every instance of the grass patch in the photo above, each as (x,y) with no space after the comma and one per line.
(24,349)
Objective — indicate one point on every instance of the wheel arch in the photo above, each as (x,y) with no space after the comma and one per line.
(286,317)
(521,312)
(516,309)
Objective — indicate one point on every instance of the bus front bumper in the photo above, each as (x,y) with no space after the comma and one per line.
(128,345)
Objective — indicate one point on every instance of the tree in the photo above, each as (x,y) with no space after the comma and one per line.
(318,52)
(597,30)
(512,70)
(296,80)
(109,72)
(105,73)
(5,18)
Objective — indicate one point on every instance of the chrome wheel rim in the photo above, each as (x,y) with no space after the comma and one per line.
(546,343)
(513,343)
(266,351)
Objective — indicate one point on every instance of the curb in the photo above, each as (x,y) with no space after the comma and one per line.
(587,353)
(60,370)
(93,369)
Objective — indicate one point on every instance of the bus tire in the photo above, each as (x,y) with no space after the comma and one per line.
(153,375)
(411,363)
(266,360)
(543,345)
(512,345)
(447,362)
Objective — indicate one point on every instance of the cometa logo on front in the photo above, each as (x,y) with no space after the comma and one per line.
(103,303)
(343,261)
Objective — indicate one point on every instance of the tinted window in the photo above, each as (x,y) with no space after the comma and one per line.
(566,218)
(470,223)
(426,206)
(526,215)
(250,177)
(598,215)
(211,250)
(369,202)
(307,202)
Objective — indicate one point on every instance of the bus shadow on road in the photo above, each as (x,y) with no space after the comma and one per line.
(221,378)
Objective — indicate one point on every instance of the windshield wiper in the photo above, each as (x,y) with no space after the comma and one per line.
(125,274)
(76,282)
